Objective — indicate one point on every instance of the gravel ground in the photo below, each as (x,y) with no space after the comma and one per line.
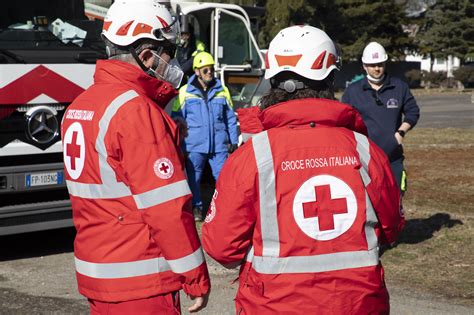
(37,277)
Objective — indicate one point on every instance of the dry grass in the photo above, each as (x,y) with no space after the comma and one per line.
(436,249)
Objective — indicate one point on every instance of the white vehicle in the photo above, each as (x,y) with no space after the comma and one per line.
(239,62)
(45,63)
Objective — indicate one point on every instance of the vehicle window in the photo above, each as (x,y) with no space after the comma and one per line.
(235,45)
(24,26)
(262,89)
(246,91)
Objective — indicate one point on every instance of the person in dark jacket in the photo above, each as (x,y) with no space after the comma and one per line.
(188,47)
(185,50)
(387,106)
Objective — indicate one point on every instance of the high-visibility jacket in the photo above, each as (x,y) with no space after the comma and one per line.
(136,236)
(304,205)
(212,123)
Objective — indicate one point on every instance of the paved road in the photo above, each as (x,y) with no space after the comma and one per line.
(36,269)
(446,110)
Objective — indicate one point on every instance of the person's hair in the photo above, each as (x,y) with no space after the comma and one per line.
(312,89)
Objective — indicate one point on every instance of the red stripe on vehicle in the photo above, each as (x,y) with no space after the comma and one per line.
(40,80)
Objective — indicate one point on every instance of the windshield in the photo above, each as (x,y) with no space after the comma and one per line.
(235,43)
(26,37)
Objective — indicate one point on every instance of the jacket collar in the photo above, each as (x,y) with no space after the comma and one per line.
(193,89)
(321,112)
(387,83)
(115,71)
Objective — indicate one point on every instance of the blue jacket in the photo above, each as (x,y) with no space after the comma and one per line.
(212,123)
(383,111)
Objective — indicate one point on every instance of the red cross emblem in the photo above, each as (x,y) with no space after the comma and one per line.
(73,150)
(324,207)
(163,168)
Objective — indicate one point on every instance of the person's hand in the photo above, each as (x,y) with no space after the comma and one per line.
(200,302)
(399,138)
(232,147)
(182,126)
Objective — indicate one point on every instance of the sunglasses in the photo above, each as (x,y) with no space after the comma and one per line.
(377,99)
(207,70)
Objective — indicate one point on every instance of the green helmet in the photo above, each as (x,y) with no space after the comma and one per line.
(203,59)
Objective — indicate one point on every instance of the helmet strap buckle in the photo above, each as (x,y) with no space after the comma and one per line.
(291,85)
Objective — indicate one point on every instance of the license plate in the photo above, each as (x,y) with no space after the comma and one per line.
(44,179)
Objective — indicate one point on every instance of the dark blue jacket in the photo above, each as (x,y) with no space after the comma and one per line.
(212,123)
(383,111)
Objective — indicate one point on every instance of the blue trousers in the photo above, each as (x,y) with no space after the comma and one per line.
(195,166)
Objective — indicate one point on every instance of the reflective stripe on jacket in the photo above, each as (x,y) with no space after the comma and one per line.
(304,205)
(212,123)
(136,236)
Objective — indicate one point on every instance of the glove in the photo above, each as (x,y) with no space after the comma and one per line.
(231,147)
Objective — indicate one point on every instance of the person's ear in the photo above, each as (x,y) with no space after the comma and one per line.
(147,57)
(196,71)
(365,67)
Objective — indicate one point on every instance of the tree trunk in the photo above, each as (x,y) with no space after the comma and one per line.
(431,62)
(447,66)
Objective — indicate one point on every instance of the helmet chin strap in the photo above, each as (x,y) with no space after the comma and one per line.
(140,63)
(374,80)
(137,59)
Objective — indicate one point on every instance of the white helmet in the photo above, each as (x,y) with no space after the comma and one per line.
(303,49)
(374,53)
(130,20)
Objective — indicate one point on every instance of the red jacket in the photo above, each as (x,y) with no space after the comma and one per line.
(305,204)
(131,203)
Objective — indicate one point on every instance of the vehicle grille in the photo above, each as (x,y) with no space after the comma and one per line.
(13,124)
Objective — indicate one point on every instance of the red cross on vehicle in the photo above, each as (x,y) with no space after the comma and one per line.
(324,207)
(73,150)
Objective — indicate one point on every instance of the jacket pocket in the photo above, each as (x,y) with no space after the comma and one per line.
(193,112)
(218,105)
(132,217)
